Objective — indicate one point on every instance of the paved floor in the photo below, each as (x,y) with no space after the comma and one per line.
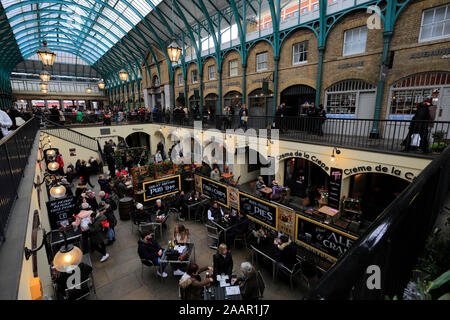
(120,276)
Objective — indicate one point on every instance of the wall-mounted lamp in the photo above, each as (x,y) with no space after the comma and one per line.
(53,166)
(337,152)
(66,259)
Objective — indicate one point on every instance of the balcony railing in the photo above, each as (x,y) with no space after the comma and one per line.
(352,133)
(14,152)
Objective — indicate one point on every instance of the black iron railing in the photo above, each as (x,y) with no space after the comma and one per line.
(72,136)
(14,152)
(393,242)
(368,134)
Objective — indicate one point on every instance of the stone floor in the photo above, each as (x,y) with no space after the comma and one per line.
(119,278)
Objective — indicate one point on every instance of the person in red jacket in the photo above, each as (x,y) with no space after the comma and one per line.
(60,161)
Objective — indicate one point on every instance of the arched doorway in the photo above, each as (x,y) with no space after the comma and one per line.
(138,139)
(304,178)
(233,100)
(194,101)
(296,97)
(260,103)
(212,103)
(376,191)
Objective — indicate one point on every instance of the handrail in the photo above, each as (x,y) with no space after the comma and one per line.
(11,135)
(393,241)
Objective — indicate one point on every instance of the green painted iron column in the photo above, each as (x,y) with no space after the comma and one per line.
(244,83)
(319,76)
(219,89)
(275,84)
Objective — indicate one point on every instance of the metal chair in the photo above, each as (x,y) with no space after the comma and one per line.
(80,291)
(146,228)
(241,237)
(149,264)
(291,272)
(213,233)
(261,285)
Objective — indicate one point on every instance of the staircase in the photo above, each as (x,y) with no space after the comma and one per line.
(71,136)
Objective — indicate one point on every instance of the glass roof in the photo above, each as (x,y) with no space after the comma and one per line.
(73,28)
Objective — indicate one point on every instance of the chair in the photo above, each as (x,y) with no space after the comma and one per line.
(253,186)
(73,293)
(182,293)
(149,264)
(291,272)
(241,237)
(261,285)
(235,183)
(173,212)
(146,228)
(213,233)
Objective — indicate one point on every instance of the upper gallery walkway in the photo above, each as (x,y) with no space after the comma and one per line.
(363,134)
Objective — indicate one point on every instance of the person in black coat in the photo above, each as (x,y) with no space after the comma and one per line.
(285,251)
(181,205)
(222,261)
(240,224)
(149,249)
(104,184)
(419,125)
(111,161)
(85,173)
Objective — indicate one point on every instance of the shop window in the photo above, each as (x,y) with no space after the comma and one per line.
(233,68)
(341,103)
(194,75)
(355,41)
(180,79)
(212,72)
(261,61)
(435,24)
(404,102)
(299,52)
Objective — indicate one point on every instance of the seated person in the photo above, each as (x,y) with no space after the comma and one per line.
(61,282)
(215,174)
(180,205)
(215,212)
(192,283)
(260,235)
(141,215)
(240,226)
(260,184)
(149,249)
(248,284)
(222,261)
(159,209)
(181,234)
(276,191)
(285,251)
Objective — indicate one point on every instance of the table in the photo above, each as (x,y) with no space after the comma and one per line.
(191,204)
(219,293)
(267,191)
(191,252)
(225,226)
(332,214)
(267,251)
(227,176)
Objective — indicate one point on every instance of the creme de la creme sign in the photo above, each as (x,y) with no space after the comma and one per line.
(304,155)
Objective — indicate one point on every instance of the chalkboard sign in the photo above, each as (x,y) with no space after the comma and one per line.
(161,187)
(328,241)
(215,191)
(259,210)
(61,211)
(334,188)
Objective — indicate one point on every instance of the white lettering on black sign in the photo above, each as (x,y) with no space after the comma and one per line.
(258,210)
(61,211)
(328,241)
(161,188)
(215,191)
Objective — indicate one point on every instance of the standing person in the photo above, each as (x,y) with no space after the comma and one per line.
(222,261)
(98,234)
(106,209)
(62,119)
(228,117)
(322,116)
(158,156)
(111,163)
(243,116)
(419,125)
(85,172)
(60,162)
(285,251)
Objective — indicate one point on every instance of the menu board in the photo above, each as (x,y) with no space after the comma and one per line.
(259,210)
(215,191)
(233,194)
(161,187)
(334,188)
(322,238)
(286,221)
(61,211)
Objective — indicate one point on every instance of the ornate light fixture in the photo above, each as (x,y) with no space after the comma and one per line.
(50,153)
(45,76)
(43,85)
(53,166)
(173,50)
(337,152)
(88,90)
(58,191)
(101,85)
(123,75)
(46,55)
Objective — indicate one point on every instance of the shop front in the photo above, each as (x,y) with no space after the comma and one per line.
(232,99)
(212,103)
(295,97)
(260,103)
